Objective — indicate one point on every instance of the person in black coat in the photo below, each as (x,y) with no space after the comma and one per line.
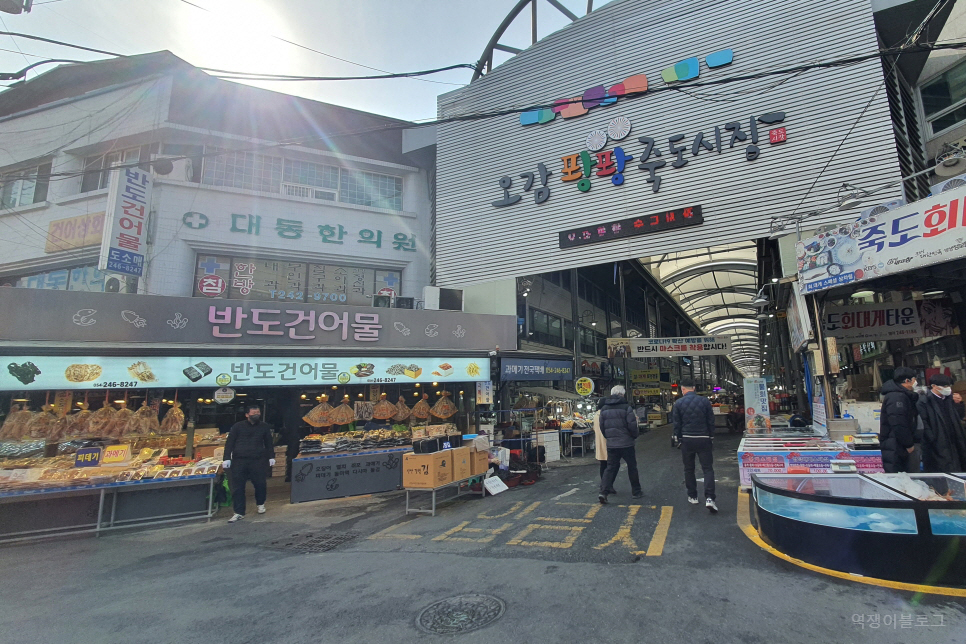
(247,452)
(618,424)
(693,419)
(898,420)
(943,441)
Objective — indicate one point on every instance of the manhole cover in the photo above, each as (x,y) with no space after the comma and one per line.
(312,542)
(460,614)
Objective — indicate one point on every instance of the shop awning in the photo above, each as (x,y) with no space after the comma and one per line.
(552,393)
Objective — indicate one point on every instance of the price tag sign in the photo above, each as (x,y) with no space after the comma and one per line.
(494,485)
(88,457)
(446,445)
(116,454)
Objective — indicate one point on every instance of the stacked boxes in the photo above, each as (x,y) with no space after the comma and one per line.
(428,470)
(279,469)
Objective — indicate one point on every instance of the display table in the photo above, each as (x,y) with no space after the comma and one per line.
(459,487)
(582,436)
(798,453)
(866,525)
(338,474)
(45,512)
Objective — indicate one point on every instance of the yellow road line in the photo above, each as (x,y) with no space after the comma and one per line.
(744,523)
(656,547)
(448,535)
(390,533)
(624,532)
(566,543)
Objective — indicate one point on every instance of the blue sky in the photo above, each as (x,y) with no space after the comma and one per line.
(392,35)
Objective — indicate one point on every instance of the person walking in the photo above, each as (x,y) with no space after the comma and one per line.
(247,449)
(600,450)
(618,423)
(693,419)
(943,440)
(898,420)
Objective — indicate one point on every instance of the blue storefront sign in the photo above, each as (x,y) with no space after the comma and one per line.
(525,369)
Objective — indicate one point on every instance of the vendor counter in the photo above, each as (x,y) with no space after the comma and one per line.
(900,527)
(799,452)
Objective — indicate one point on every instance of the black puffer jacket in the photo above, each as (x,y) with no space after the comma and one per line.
(693,417)
(943,442)
(618,422)
(249,441)
(897,425)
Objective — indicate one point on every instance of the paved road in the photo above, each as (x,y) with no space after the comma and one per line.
(652,570)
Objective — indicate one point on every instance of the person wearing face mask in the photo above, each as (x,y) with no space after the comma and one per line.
(897,422)
(248,456)
(943,441)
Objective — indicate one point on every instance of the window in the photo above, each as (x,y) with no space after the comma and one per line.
(944,99)
(306,173)
(24,186)
(244,170)
(370,189)
(97,173)
(81,278)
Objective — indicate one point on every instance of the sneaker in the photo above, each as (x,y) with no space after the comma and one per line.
(261,509)
(711,506)
(236,518)
(638,495)
(612,491)
(602,498)
(693,500)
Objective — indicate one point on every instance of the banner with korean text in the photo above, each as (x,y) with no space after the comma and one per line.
(926,232)
(124,244)
(670,347)
(757,413)
(860,323)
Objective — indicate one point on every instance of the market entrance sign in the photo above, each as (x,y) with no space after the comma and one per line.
(670,347)
(76,316)
(926,232)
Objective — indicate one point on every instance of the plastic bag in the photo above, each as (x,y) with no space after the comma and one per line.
(173,421)
(444,407)
(384,410)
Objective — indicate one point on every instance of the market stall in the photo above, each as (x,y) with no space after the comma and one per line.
(805,451)
(899,527)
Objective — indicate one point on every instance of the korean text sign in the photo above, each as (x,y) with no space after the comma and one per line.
(124,244)
(926,232)
(860,323)
(670,347)
(757,415)
(145,372)
(521,369)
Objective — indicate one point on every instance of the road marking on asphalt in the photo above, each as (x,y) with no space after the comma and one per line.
(744,522)
(560,496)
(568,541)
(656,547)
(623,535)
(594,508)
(390,533)
(513,508)
(490,532)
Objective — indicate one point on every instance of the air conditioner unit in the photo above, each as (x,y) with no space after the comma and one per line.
(948,184)
(382,301)
(882,208)
(307,192)
(405,302)
(181,169)
(442,299)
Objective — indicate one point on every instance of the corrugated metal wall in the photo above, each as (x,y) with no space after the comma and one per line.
(476,242)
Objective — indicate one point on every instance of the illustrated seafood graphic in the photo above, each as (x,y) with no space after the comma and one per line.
(84,317)
(134,318)
(26,373)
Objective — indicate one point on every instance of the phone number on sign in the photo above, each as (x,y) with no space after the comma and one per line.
(298,296)
(114,385)
(380,380)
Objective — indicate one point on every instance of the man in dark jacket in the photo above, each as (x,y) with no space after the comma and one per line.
(248,455)
(693,419)
(618,424)
(897,420)
(943,442)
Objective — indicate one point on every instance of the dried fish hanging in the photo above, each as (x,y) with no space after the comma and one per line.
(343,414)
(15,424)
(122,423)
(421,409)
(58,429)
(101,420)
(39,425)
(444,407)
(146,420)
(402,411)
(80,422)
(383,410)
(173,421)
(320,416)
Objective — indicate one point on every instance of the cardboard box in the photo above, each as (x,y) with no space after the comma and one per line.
(461,463)
(428,470)
(479,444)
(479,462)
